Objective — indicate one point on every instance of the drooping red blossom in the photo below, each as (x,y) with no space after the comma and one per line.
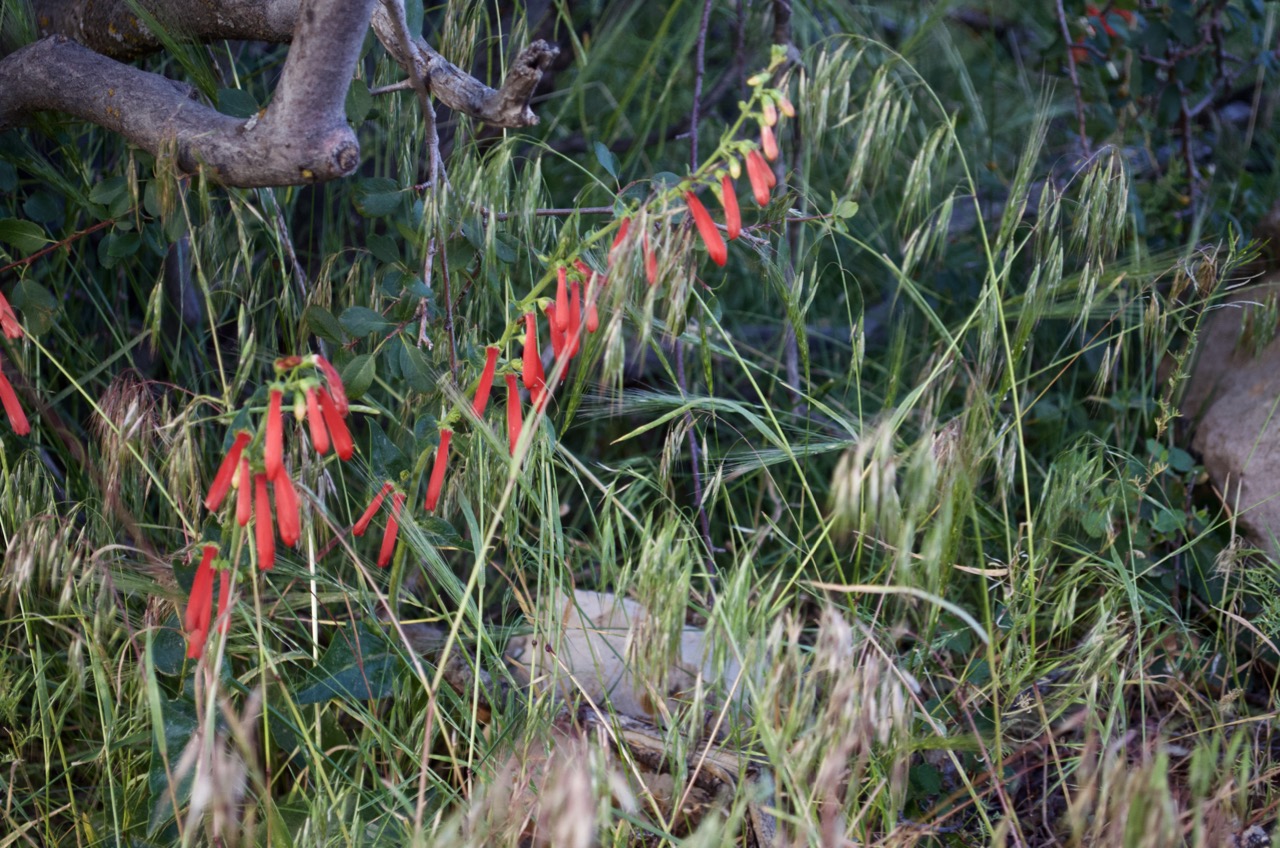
(263,533)
(9,320)
(224,596)
(244,493)
(770,113)
(200,605)
(573,336)
(761,176)
(535,379)
(619,238)
(315,421)
(593,317)
(785,106)
(716,248)
(13,409)
(557,334)
(438,470)
(481,399)
(768,142)
(515,420)
(389,535)
(562,301)
(650,262)
(338,432)
(363,524)
(226,471)
(732,215)
(588,275)
(287,510)
(273,451)
(334,382)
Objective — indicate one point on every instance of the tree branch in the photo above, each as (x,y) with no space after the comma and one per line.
(302,137)
(503,107)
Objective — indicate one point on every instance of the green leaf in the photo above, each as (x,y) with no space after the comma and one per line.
(416,370)
(385,459)
(180,723)
(377,196)
(237,103)
(108,190)
(321,322)
(8,177)
(363,321)
(358,665)
(39,307)
(43,207)
(26,236)
(846,209)
(384,248)
(169,647)
(358,102)
(358,376)
(441,534)
(607,160)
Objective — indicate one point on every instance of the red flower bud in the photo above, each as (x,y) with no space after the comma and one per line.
(593,317)
(315,421)
(273,453)
(574,337)
(262,531)
(9,320)
(437,470)
(481,399)
(650,262)
(557,335)
(389,535)
(226,471)
(768,143)
(338,432)
(770,113)
(562,302)
(761,177)
(363,524)
(785,106)
(334,381)
(287,510)
(200,605)
(619,238)
(707,229)
(244,493)
(535,380)
(514,417)
(732,216)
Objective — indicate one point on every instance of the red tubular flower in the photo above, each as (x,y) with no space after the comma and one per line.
(650,262)
(273,453)
(13,409)
(562,301)
(200,605)
(593,317)
(574,337)
(224,595)
(515,420)
(557,334)
(785,106)
(262,531)
(287,510)
(437,470)
(389,535)
(619,238)
(338,432)
(481,399)
(221,480)
(770,113)
(535,380)
(334,381)
(732,215)
(707,229)
(761,177)
(315,421)
(244,493)
(768,142)
(363,524)
(9,320)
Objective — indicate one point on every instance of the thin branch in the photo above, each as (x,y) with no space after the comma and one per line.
(1075,77)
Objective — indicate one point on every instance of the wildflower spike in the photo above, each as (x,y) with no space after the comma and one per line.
(707,229)
(389,535)
(9,320)
(768,142)
(338,432)
(226,471)
(562,302)
(287,510)
(438,469)
(273,452)
(514,417)
(315,422)
(362,525)
(732,215)
(263,533)
(486,381)
(334,382)
(244,493)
